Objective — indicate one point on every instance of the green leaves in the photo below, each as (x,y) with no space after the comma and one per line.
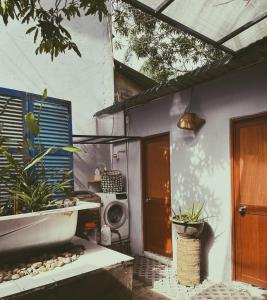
(48,28)
(165,51)
(38,158)
(191,214)
(32,124)
(70,149)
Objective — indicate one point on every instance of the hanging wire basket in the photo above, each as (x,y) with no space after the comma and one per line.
(112,182)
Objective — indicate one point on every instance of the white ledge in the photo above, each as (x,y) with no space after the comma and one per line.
(81,205)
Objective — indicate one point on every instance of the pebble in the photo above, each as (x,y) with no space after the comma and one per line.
(8,273)
(60,263)
(74,257)
(34,273)
(7,277)
(50,261)
(67,254)
(23,273)
(53,265)
(15,277)
(37,265)
(42,269)
(48,266)
(67,260)
(15,271)
(60,258)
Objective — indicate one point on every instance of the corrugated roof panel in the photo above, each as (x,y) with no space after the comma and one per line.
(214,21)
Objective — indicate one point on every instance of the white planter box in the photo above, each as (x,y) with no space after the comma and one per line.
(39,229)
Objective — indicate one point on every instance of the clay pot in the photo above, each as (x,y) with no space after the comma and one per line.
(188,230)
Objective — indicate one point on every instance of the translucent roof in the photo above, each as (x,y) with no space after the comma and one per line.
(228,24)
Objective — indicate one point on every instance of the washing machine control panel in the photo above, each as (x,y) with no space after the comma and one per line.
(121,196)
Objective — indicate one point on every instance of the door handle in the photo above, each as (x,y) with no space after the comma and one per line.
(147,200)
(242,210)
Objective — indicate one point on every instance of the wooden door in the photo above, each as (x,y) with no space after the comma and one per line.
(250,199)
(157,200)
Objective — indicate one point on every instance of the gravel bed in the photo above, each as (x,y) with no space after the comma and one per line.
(37,264)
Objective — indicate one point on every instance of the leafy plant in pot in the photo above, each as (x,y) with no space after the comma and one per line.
(189,223)
(26,182)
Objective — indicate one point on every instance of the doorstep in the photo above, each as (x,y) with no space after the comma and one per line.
(160,258)
(95,258)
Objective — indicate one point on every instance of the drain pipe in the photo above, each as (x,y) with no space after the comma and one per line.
(125,116)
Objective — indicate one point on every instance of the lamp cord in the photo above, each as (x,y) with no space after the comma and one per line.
(190,101)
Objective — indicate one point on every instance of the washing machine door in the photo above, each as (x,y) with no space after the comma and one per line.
(115,214)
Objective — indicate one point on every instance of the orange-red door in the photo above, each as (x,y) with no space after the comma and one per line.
(250,199)
(157,200)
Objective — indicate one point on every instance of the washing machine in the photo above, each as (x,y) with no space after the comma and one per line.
(115,214)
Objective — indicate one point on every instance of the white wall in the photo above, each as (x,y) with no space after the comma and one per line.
(200,163)
(87,82)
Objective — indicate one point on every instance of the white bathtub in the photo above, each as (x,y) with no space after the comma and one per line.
(40,229)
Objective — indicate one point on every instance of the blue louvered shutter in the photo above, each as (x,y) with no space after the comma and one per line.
(56,131)
(12,127)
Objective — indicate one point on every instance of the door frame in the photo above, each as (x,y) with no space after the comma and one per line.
(143,140)
(233,122)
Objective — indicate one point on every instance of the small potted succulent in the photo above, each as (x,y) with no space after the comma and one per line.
(190,223)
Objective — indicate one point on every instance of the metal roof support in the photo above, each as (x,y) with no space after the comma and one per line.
(102,139)
(163,6)
(174,23)
(243,28)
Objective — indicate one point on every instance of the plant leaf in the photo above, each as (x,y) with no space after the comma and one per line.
(71,149)
(38,157)
(32,124)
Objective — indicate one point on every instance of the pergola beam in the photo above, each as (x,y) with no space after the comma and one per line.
(163,6)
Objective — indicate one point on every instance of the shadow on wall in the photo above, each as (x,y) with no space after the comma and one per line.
(207,240)
(194,171)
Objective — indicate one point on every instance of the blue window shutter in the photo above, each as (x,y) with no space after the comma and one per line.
(56,131)
(12,127)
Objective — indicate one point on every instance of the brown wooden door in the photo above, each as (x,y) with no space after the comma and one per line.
(250,199)
(157,200)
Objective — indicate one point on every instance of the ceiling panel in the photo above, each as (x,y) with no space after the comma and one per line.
(248,36)
(216,19)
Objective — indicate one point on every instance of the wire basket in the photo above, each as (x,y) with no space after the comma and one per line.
(112,182)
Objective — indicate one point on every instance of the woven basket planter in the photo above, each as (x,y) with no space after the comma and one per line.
(112,182)
(188,261)
(188,252)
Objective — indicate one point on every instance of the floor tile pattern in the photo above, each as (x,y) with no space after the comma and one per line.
(161,279)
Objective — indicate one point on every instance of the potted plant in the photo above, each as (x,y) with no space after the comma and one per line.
(39,211)
(190,223)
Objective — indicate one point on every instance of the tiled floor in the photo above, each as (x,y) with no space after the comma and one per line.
(154,280)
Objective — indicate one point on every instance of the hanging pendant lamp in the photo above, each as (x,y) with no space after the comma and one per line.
(190,120)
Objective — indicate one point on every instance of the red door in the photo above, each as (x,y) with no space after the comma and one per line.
(250,199)
(157,200)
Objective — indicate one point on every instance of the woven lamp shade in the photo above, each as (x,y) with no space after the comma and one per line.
(190,121)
